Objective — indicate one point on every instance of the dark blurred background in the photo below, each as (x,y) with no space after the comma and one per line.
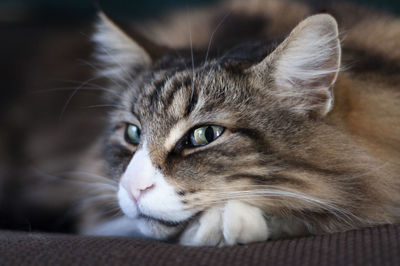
(45,55)
(24,23)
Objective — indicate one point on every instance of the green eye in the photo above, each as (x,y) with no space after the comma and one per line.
(132,134)
(204,135)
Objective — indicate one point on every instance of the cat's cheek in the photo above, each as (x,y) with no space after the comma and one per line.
(163,202)
(126,203)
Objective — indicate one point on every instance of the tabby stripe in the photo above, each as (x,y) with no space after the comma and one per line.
(261,144)
(251,133)
(175,87)
(273,179)
(219,150)
(235,154)
(312,168)
(154,97)
(191,103)
(280,179)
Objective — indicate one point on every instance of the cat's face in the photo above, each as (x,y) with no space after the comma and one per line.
(185,139)
(193,137)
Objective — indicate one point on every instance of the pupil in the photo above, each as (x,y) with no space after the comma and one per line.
(209,134)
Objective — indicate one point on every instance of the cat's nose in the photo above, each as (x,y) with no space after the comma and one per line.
(135,190)
(136,193)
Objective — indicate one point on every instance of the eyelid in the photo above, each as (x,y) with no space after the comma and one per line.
(135,124)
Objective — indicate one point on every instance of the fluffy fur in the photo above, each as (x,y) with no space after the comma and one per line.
(307,148)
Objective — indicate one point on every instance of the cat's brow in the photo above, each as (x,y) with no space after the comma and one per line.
(176,133)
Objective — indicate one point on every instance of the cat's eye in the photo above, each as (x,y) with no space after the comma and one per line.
(204,135)
(132,134)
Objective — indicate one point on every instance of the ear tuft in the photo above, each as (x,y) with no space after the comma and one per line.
(304,67)
(115,50)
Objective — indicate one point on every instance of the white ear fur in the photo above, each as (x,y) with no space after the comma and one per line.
(304,67)
(116,50)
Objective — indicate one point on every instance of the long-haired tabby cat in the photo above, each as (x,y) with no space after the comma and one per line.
(235,133)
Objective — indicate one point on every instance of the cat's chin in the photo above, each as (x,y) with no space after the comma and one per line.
(158,229)
(142,227)
(148,226)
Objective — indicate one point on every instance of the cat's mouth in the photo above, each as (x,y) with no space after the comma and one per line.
(169,223)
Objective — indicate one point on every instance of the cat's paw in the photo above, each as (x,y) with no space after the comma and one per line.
(243,223)
(234,223)
(206,231)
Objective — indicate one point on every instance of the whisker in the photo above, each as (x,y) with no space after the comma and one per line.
(129,76)
(103,105)
(118,213)
(215,64)
(114,213)
(263,194)
(101,197)
(110,78)
(89,174)
(71,96)
(99,188)
(191,51)
(90,87)
(105,50)
(212,35)
(72,178)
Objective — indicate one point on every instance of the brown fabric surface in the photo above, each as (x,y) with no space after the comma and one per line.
(369,246)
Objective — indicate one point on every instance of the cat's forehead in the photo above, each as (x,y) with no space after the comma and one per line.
(173,93)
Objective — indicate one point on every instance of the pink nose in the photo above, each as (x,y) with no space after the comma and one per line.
(137,192)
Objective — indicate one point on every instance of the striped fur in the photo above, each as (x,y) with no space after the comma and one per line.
(290,154)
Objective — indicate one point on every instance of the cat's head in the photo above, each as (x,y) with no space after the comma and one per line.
(186,137)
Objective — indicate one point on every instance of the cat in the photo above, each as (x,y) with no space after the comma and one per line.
(270,137)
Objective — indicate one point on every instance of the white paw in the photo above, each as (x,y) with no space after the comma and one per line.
(206,231)
(234,223)
(243,223)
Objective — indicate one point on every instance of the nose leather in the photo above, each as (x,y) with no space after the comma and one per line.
(136,193)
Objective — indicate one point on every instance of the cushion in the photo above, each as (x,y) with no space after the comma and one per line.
(369,246)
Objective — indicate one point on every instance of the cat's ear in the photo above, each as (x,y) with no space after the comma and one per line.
(303,68)
(115,50)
